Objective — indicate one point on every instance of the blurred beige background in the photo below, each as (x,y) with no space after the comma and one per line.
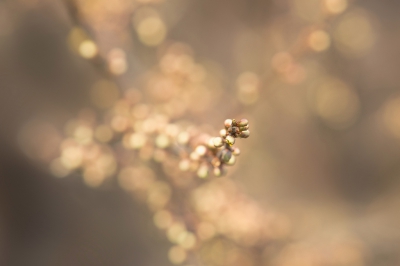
(324,150)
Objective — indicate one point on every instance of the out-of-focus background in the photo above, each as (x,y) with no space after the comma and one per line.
(317,79)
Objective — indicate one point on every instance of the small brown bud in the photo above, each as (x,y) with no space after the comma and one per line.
(234,130)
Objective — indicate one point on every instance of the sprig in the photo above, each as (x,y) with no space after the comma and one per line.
(221,149)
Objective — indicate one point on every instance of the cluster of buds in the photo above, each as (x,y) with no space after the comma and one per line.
(236,129)
(224,153)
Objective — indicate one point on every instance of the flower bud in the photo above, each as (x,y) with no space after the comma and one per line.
(245,134)
(236,151)
(226,155)
(215,162)
(222,132)
(202,172)
(228,123)
(217,171)
(230,140)
(201,150)
(210,143)
(232,160)
(244,128)
(242,122)
(218,142)
(234,130)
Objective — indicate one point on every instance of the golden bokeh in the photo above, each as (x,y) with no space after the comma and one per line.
(150,28)
(336,6)
(117,63)
(88,49)
(354,34)
(335,103)
(162,219)
(177,255)
(103,133)
(319,40)
(248,88)
(58,169)
(391,116)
